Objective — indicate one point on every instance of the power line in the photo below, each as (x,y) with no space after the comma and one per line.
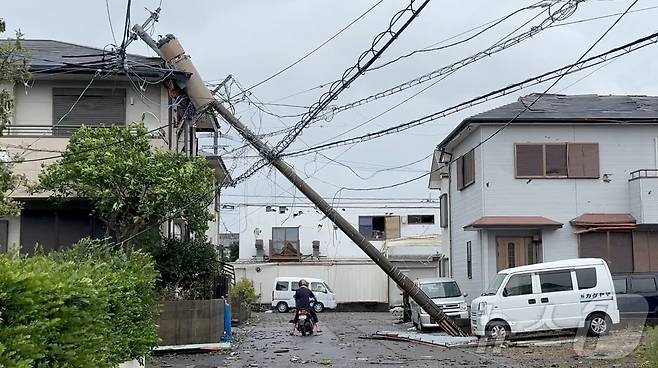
(425,88)
(488,26)
(479,27)
(604,16)
(355,199)
(560,14)
(526,108)
(339,206)
(315,49)
(109,19)
(557,73)
(91,81)
(368,57)
(73,154)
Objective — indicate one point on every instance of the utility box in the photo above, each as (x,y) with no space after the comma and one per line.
(260,251)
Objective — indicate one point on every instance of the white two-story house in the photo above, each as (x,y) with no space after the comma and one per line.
(571,176)
(73,85)
(295,239)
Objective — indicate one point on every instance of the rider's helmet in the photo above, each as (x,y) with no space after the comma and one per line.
(303,282)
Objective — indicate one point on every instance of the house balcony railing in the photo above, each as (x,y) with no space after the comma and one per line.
(289,251)
(644,173)
(643,186)
(61,130)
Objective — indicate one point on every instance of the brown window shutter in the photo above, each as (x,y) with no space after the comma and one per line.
(583,160)
(621,251)
(556,159)
(529,160)
(469,168)
(460,173)
(392,227)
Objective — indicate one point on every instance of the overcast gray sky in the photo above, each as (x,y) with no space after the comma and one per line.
(251,39)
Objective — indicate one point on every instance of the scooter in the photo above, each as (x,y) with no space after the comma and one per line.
(304,322)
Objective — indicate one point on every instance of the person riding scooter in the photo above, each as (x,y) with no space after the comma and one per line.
(303,297)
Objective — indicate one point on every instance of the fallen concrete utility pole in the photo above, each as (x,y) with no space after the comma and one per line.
(175,56)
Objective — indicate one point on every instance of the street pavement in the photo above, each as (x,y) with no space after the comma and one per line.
(267,343)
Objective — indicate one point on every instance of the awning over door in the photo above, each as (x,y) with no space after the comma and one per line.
(604,221)
(513,222)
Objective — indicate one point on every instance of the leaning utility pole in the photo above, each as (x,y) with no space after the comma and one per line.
(175,56)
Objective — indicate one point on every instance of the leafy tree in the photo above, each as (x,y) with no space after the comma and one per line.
(132,186)
(234,250)
(13,69)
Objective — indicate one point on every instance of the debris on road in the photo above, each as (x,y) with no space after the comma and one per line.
(296,359)
(442,340)
(552,342)
(326,362)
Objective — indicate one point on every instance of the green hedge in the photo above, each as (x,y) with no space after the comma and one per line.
(88,307)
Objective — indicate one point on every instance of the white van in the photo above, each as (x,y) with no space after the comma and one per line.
(446,294)
(283,294)
(567,294)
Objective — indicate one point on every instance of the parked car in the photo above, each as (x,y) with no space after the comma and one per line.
(446,294)
(567,294)
(637,295)
(283,294)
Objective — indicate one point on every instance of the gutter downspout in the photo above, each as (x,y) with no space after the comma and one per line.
(450,260)
(655,152)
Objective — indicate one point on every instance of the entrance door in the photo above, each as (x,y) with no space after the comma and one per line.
(513,252)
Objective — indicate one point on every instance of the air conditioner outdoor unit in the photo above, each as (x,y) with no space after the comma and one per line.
(403,219)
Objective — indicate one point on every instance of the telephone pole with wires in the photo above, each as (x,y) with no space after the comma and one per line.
(201,97)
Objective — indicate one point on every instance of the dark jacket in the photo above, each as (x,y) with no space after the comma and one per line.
(303,297)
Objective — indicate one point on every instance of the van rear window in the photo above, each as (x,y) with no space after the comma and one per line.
(555,281)
(282,286)
(586,278)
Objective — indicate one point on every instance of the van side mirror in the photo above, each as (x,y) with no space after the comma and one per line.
(465,295)
(505,293)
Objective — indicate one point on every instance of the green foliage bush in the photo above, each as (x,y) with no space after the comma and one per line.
(186,266)
(244,291)
(651,347)
(87,307)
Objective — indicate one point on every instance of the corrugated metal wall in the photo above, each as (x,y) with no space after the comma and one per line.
(352,282)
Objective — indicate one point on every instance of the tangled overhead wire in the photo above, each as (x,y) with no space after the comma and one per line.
(562,13)
(398,23)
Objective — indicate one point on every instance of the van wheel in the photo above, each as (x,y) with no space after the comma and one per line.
(318,307)
(598,325)
(282,307)
(498,330)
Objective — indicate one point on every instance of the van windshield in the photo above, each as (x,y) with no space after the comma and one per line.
(437,290)
(328,288)
(495,284)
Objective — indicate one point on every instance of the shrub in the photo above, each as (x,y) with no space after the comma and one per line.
(88,307)
(186,266)
(243,291)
